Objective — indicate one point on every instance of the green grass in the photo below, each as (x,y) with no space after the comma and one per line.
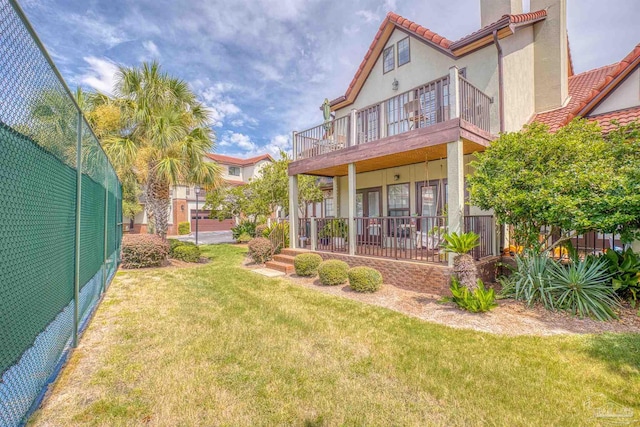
(219,345)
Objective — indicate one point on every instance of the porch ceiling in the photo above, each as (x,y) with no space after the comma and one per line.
(400,150)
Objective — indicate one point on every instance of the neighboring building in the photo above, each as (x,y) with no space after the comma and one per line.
(235,171)
(419,106)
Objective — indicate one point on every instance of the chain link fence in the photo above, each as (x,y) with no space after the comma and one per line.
(60,219)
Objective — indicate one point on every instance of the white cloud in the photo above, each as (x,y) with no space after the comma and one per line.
(95,28)
(268,72)
(237,142)
(220,106)
(278,143)
(151,48)
(368,16)
(101,74)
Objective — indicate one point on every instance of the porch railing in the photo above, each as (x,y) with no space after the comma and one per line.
(332,234)
(589,243)
(417,238)
(484,227)
(420,107)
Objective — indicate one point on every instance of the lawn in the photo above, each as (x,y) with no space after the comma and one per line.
(220,345)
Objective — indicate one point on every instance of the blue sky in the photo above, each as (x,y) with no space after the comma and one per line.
(263,67)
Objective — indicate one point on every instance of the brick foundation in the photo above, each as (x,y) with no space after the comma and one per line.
(420,277)
(487,269)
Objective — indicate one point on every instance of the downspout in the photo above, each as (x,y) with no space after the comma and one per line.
(500,79)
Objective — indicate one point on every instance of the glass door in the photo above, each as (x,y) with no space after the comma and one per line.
(368,209)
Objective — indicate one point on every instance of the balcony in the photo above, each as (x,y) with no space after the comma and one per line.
(409,116)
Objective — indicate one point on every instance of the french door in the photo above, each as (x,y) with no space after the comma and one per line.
(368,209)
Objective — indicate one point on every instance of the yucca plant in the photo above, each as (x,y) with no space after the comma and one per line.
(464,267)
(530,280)
(584,288)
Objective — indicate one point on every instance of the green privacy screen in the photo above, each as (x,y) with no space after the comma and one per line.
(42,135)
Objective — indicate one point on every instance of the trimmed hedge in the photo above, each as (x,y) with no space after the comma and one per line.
(364,279)
(188,253)
(184,228)
(143,250)
(333,272)
(306,265)
(260,250)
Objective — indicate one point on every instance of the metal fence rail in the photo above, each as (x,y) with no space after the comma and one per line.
(60,218)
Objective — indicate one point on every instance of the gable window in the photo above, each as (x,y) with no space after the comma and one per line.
(404,55)
(388,59)
(234,170)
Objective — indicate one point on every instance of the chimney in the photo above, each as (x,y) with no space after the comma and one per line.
(492,10)
(551,63)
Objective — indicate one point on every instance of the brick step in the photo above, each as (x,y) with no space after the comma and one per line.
(293,252)
(280,266)
(285,259)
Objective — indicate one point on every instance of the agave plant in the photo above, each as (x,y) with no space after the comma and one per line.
(584,288)
(464,267)
(530,280)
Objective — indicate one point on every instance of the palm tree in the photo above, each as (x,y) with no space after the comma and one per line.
(164,132)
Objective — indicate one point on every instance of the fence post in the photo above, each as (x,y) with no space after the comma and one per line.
(314,234)
(106,214)
(76,279)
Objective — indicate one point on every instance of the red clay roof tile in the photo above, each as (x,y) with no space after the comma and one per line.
(584,88)
(622,117)
(221,158)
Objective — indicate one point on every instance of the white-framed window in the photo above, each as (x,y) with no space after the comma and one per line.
(234,171)
(404,53)
(328,208)
(388,59)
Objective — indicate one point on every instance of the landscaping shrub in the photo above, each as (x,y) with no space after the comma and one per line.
(244,238)
(175,243)
(333,272)
(184,228)
(260,230)
(364,279)
(478,301)
(624,268)
(584,288)
(143,250)
(530,280)
(307,264)
(244,227)
(188,253)
(260,250)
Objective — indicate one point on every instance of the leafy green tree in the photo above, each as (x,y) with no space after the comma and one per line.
(571,181)
(237,201)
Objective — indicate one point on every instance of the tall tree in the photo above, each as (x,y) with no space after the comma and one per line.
(164,134)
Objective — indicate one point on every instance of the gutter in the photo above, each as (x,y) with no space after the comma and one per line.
(500,79)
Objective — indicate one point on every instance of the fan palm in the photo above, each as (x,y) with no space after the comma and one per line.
(164,134)
(464,267)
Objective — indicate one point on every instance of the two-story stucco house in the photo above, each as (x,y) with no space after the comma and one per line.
(186,205)
(401,138)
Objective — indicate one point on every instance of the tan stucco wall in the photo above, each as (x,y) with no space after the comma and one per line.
(428,64)
(519,79)
(626,95)
(411,173)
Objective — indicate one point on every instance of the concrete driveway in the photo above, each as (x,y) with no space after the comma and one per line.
(208,237)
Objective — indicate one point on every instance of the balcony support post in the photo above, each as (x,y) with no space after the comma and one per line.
(383,120)
(314,234)
(454,93)
(455,188)
(353,123)
(293,211)
(336,196)
(352,207)
(294,145)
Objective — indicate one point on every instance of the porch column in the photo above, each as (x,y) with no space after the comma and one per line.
(454,92)
(352,208)
(336,197)
(455,181)
(353,131)
(293,211)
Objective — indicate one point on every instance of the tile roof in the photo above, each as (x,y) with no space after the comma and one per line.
(587,87)
(623,117)
(229,160)
(580,86)
(437,40)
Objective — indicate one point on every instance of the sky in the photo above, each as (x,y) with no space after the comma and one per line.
(263,67)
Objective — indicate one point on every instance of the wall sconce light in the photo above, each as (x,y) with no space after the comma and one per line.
(396,177)
(395,84)
(182,208)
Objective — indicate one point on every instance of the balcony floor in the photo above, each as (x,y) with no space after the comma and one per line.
(399,150)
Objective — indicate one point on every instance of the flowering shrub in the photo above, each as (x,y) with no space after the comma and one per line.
(143,250)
